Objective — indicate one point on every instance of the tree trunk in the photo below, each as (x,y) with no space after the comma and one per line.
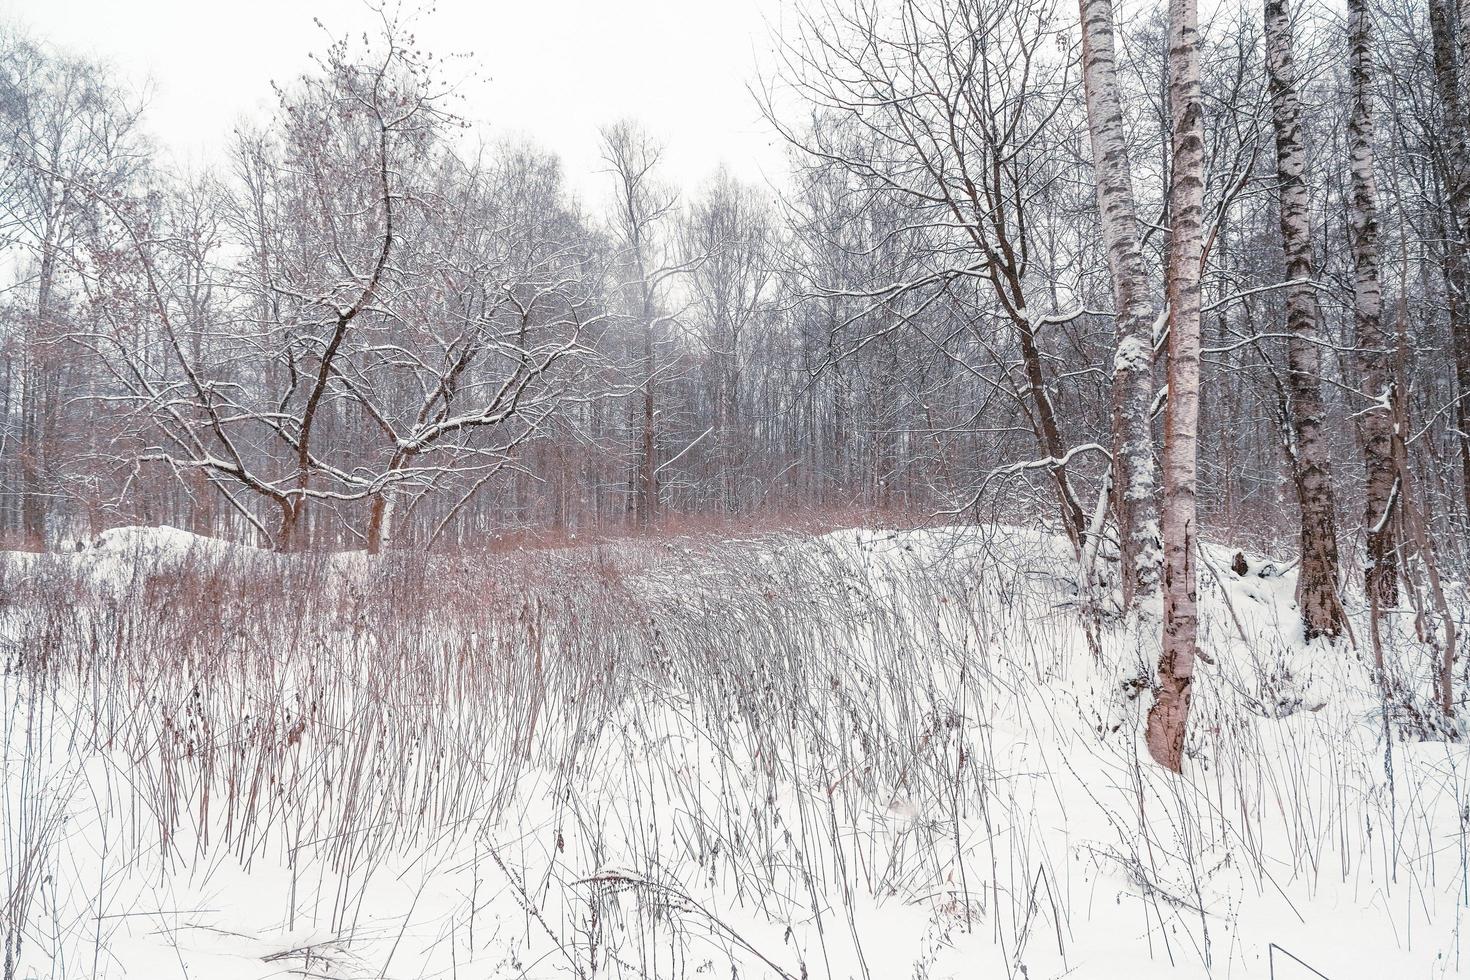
(730,430)
(1416,520)
(647,511)
(32,490)
(1321,610)
(380,522)
(837,482)
(1132,443)
(1169,715)
(35,405)
(1443,22)
(286,533)
(1380,574)
(1048,433)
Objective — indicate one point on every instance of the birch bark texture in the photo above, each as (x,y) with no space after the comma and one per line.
(1380,572)
(1169,716)
(1317,599)
(1446,29)
(1134,501)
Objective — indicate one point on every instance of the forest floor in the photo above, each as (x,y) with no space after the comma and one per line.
(862,754)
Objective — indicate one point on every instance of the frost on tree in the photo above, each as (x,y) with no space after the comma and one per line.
(1307,450)
(1447,30)
(1132,445)
(1168,717)
(1373,342)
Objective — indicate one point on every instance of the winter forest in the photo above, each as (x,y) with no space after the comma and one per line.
(1026,536)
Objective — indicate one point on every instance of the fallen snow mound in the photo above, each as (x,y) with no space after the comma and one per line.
(162,541)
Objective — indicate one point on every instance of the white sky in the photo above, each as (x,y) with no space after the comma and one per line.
(555,70)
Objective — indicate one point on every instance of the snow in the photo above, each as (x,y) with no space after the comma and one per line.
(870,754)
(1134,352)
(163,541)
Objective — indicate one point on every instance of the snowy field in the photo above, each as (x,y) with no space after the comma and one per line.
(867,755)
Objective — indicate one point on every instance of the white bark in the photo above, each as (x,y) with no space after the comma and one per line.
(1168,717)
(1381,569)
(1446,25)
(1321,610)
(1133,464)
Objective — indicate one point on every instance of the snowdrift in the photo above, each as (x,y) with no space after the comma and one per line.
(867,755)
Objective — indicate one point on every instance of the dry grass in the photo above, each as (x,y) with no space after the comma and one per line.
(764,718)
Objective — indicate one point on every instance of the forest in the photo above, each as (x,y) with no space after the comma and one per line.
(1128,344)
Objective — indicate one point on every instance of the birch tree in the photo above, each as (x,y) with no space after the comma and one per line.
(1132,383)
(1373,342)
(1169,716)
(1307,451)
(1446,30)
(939,316)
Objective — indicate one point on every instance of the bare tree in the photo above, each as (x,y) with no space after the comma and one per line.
(1132,444)
(363,332)
(1447,31)
(1373,342)
(1321,610)
(393,323)
(641,208)
(957,102)
(1169,716)
(500,302)
(727,242)
(64,122)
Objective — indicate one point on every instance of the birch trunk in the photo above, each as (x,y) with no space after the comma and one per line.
(380,522)
(1169,715)
(1321,610)
(1133,464)
(1445,32)
(382,510)
(1380,574)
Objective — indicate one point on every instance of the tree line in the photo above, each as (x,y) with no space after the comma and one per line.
(1108,270)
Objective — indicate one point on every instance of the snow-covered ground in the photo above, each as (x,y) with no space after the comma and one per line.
(870,755)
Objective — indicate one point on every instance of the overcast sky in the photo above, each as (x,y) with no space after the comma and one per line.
(555,69)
